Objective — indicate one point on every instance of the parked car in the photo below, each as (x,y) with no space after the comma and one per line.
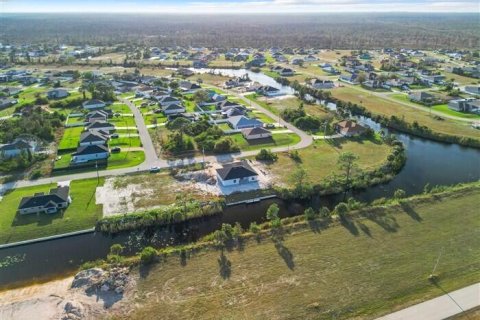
(115,150)
(114,136)
(270,126)
(154,169)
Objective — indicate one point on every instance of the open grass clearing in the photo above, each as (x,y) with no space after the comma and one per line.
(357,270)
(81,214)
(320,159)
(70,138)
(277,140)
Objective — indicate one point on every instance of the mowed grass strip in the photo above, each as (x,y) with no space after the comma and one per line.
(70,138)
(81,214)
(389,108)
(374,267)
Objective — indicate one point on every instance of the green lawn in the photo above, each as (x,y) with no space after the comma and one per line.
(277,140)
(125,159)
(120,108)
(125,142)
(81,214)
(320,159)
(123,121)
(361,269)
(70,138)
(159,116)
(127,94)
(445,109)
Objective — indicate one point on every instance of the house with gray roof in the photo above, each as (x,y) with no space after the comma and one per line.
(236,173)
(56,200)
(242,122)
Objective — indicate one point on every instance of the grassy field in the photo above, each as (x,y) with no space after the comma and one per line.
(388,108)
(81,214)
(359,270)
(122,159)
(320,159)
(120,108)
(277,140)
(278,105)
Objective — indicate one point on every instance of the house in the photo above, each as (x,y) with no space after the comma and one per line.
(331,70)
(256,63)
(144,92)
(286,72)
(233,112)
(11,91)
(256,133)
(57,199)
(242,122)
(94,104)
(349,78)
(15,149)
(7,102)
(349,128)
(422,97)
(100,126)
(431,79)
(475,90)
(98,115)
(185,72)
(236,173)
(199,64)
(297,61)
(321,84)
(88,138)
(89,153)
(168,100)
(58,93)
(268,91)
(189,87)
(465,105)
(310,58)
(173,109)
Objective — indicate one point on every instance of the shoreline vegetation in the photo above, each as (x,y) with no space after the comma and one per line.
(392,122)
(388,219)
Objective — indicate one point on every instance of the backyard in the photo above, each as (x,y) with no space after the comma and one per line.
(81,214)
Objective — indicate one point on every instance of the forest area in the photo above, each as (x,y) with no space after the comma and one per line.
(325,31)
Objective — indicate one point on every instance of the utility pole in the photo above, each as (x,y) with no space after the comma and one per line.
(98,176)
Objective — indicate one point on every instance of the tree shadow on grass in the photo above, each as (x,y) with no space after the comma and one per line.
(349,225)
(225,266)
(183,258)
(286,254)
(365,229)
(410,211)
(318,225)
(144,270)
(387,222)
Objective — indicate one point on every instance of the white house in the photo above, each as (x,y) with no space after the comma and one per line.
(58,93)
(322,84)
(242,122)
(94,104)
(256,133)
(236,173)
(89,153)
(88,138)
(173,109)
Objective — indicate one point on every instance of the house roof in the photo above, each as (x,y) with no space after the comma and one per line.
(236,170)
(255,131)
(242,121)
(16,145)
(99,125)
(90,150)
(93,102)
(88,136)
(56,195)
(349,126)
(173,107)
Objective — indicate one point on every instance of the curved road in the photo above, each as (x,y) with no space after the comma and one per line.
(151,158)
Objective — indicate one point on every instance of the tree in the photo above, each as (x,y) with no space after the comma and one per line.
(347,162)
(148,255)
(272,215)
(116,249)
(173,85)
(266,155)
(341,209)
(200,96)
(362,77)
(399,194)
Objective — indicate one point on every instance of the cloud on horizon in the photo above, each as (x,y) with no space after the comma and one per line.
(240,6)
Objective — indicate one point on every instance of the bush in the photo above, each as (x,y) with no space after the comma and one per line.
(295,156)
(116,249)
(399,194)
(225,145)
(148,255)
(254,228)
(341,209)
(266,155)
(310,214)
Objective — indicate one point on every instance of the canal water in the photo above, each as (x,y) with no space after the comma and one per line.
(428,162)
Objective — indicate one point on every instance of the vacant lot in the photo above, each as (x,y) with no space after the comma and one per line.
(81,214)
(373,267)
(70,138)
(320,159)
(277,140)
(388,108)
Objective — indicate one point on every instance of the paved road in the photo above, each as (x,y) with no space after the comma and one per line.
(442,307)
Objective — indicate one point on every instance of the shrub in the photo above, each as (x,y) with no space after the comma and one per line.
(148,255)
(310,214)
(254,228)
(295,156)
(399,194)
(266,155)
(324,212)
(341,209)
(116,249)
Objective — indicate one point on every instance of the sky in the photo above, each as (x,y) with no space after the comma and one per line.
(239,6)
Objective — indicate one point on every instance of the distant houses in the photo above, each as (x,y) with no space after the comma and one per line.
(321,84)
(465,105)
(15,149)
(57,199)
(57,93)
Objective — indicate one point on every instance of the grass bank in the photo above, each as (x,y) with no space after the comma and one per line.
(361,268)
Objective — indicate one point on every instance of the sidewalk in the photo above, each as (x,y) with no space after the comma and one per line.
(442,307)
